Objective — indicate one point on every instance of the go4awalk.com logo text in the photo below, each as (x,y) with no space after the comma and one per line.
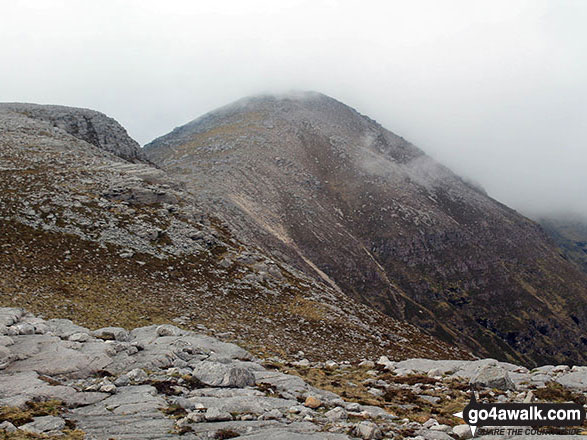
(530,416)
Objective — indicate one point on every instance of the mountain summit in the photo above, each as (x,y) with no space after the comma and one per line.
(318,185)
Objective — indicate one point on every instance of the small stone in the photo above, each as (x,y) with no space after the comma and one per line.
(122,381)
(367,364)
(385,363)
(368,431)
(312,402)
(353,407)
(274,414)
(216,415)
(196,417)
(168,330)
(336,414)
(462,431)
(24,328)
(442,428)
(375,391)
(79,337)
(493,376)
(429,423)
(108,388)
(6,426)
(137,375)
(111,334)
(331,365)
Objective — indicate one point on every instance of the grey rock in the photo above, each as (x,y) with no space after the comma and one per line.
(122,380)
(462,431)
(216,374)
(576,379)
(10,315)
(274,414)
(79,337)
(137,375)
(43,424)
(108,388)
(443,428)
(169,330)
(64,328)
(49,355)
(6,357)
(111,334)
(353,407)
(493,377)
(25,328)
(336,414)
(88,125)
(368,431)
(6,426)
(17,389)
(244,404)
(6,341)
(434,435)
(216,415)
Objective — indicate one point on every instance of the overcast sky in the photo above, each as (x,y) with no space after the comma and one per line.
(496,90)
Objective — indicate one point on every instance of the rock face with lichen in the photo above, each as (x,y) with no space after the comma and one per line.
(330,191)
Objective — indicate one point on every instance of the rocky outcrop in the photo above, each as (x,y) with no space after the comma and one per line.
(329,190)
(160,382)
(88,125)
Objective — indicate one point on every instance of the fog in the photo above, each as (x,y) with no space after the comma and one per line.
(496,90)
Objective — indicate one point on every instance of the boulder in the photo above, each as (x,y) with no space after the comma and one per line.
(368,431)
(493,376)
(216,374)
(462,432)
(111,334)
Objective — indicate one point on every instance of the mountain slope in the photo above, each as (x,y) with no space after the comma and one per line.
(330,191)
(86,234)
(570,234)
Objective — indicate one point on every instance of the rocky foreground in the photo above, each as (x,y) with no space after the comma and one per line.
(59,379)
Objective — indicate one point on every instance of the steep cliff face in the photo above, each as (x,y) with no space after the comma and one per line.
(329,190)
(85,234)
(91,126)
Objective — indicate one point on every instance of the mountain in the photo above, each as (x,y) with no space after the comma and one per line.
(317,185)
(93,232)
(570,233)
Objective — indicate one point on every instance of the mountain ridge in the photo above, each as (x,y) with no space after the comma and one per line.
(311,180)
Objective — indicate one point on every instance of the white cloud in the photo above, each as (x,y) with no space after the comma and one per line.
(494,89)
